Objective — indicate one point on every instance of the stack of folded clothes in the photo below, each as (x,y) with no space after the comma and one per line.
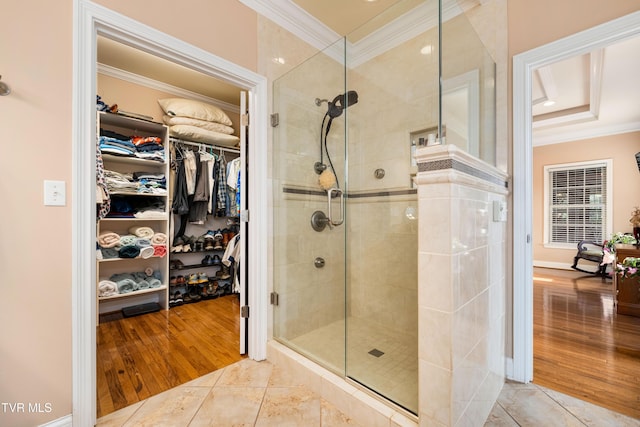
(136,182)
(143,147)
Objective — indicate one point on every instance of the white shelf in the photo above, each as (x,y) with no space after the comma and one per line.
(134,293)
(160,224)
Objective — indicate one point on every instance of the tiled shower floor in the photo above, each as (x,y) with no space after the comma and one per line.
(394,374)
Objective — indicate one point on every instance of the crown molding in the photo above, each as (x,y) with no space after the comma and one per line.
(578,135)
(295,20)
(306,27)
(137,79)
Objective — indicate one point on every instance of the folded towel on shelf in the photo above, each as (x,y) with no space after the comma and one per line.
(146,252)
(129,251)
(127,285)
(143,284)
(128,239)
(159,239)
(143,243)
(108,239)
(107,288)
(159,250)
(109,253)
(143,232)
(154,283)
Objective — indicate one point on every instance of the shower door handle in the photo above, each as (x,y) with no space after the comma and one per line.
(330,194)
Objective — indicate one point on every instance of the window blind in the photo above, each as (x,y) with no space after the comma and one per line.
(577,203)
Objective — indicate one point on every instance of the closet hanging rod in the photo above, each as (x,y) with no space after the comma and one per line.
(201,145)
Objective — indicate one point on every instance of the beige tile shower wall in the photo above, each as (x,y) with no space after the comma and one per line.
(398,94)
(461,293)
(382,263)
(310,297)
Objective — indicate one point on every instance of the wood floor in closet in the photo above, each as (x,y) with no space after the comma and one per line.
(581,346)
(141,356)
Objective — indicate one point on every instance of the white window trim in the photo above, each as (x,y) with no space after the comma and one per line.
(608,225)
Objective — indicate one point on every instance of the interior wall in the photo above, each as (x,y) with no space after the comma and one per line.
(36,248)
(626,189)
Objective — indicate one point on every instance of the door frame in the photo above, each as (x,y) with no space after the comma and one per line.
(520,368)
(90,20)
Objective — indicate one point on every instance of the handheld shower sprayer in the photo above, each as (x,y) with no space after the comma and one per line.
(335,109)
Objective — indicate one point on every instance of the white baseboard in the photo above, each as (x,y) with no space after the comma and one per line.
(549,264)
(66,421)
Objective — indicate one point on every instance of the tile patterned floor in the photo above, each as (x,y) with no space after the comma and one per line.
(395,375)
(531,405)
(250,393)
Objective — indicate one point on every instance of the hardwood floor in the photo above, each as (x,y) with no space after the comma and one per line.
(141,356)
(581,346)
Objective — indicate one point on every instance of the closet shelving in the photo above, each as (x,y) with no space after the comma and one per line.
(159,223)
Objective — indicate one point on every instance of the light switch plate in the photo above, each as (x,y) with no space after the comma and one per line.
(55,193)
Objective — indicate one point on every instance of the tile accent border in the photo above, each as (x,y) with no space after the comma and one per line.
(384,193)
(459,166)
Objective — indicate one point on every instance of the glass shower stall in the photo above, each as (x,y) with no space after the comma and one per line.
(349,120)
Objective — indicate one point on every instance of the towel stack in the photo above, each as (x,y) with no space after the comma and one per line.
(141,242)
(124,283)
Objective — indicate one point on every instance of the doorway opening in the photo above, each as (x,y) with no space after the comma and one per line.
(93,20)
(523,67)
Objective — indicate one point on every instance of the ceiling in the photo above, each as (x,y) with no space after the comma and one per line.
(594,94)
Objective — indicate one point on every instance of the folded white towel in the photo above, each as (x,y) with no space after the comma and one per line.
(107,288)
(143,232)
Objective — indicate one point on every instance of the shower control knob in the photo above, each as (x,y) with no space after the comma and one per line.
(318,262)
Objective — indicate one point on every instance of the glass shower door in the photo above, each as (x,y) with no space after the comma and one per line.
(308,160)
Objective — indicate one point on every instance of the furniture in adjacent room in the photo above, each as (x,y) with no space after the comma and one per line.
(627,290)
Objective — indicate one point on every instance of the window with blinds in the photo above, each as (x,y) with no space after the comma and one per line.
(577,203)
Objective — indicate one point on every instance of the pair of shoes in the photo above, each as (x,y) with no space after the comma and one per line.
(173,280)
(180,280)
(218,237)
(176,264)
(212,289)
(203,278)
(175,299)
(209,241)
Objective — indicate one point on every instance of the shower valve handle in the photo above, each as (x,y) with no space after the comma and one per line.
(331,193)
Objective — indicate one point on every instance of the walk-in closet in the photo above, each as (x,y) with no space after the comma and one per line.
(170,243)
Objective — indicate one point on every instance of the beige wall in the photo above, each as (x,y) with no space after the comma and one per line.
(36,244)
(626,184)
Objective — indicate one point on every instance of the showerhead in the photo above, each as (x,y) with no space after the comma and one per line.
(340,102)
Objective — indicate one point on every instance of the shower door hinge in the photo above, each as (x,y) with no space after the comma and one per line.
(244,311)
(274,298)
(244,215)
(244,119)
(275,120)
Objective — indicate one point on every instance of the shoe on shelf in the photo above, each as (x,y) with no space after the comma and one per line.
(206,260)
(173,280)
(195,297)
(176,264)
(212,287)
(180,280)
(215,260)
(209,243)
(178,244)
(203,278)
(187,298)
(193,279)
(199,244)
(177,298)
(223,273)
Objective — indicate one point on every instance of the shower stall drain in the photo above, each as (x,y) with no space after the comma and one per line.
(375,352)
